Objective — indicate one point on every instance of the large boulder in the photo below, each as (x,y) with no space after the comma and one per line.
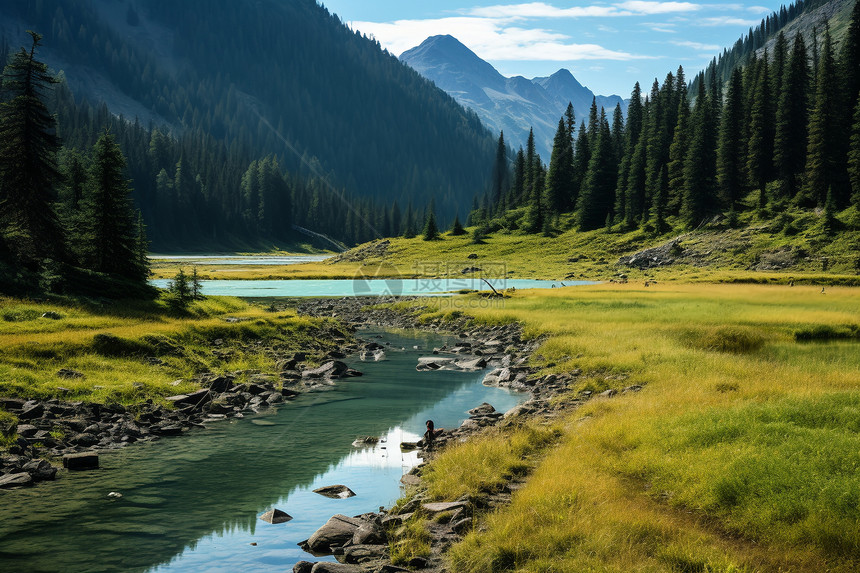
(276,516)
(330,369)
(40,470)
(324,567)
(83,461)
(337,531)
(15,480)
(335,491)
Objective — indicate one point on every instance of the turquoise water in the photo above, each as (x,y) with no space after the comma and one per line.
(191,503)
(361,287)
(241,259)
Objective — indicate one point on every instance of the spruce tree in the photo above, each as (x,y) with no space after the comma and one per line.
(457,227)
(28,162)
(431,230)
(699,165)
(677,158)
(730,152)
(580,159)
(631,138)
(518,188)
(824,125)
(854,157)
(789,154)
(597,196)
(760,148)
(109,221)
(500,171)
(560,175)
(532,162)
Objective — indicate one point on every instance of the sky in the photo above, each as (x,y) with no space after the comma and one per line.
(608,46)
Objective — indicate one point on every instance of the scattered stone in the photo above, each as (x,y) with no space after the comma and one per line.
(303,567)
(16,480)
(331,369)
(40,470)
(608,393)
(275,516)
(68,373)
(336,532)
(114,495)
(439,507)
(335,491)
(364,441)
(324,567)
(482,410)
(82,461)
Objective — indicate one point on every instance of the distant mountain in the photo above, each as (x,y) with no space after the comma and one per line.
(510,104)
(280,77)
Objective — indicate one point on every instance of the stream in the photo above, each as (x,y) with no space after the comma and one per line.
(192,503)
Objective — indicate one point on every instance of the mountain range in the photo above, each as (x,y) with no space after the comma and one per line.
(513,104)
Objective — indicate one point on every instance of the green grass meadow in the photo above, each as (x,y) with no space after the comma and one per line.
(740,453)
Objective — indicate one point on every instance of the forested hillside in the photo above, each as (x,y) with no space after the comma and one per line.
(775,145)
(239,81)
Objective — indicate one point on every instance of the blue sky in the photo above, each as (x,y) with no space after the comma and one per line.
(607,45)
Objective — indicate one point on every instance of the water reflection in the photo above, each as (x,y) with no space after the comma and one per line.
(191,504)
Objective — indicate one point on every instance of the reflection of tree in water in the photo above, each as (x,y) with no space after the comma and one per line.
(178,491)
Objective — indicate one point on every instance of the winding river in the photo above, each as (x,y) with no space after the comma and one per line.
(192,503)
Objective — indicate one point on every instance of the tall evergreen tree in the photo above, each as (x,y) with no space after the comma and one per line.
(631,138)
(560,175)
(677,157)
(789,154)
(597,196)
(28,161)
(854,157)
(531,163)
(580,159)
(761,127)
(730,152)
(500,171)
(699,164)
(518,188)
(822,165)
(111,227)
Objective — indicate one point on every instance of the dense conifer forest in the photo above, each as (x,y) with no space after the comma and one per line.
(778,133)
(294,91)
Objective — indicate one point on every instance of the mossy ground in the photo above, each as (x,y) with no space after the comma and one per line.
(763,247)
(740,453)
(130,352)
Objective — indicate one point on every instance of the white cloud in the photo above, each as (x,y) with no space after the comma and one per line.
(720,21)
(642,7)
(663,28)
(490,39)
(533,10)
(697,45)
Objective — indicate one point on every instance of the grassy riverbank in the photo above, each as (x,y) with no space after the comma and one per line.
(792,246)
(740,453)
(129,352)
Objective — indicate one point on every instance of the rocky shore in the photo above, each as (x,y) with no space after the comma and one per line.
(361,543)
(76,431)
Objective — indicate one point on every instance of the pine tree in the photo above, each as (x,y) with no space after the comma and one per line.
(28,164)
(854,157)
(457,227)
(109,221)
(597,196)
(631,138)
(699,165)
(730,152)
(760,148)
(789,154)
(677,158)
(500,171)
(580,159)
(824,126)
(519,186)
(658,204)
(431,231)
(560,175)
(532,162)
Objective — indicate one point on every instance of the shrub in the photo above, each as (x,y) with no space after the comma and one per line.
(733,339)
